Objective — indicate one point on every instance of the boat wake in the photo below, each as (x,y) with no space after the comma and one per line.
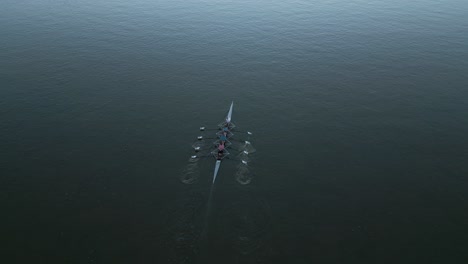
(191,172)
(243,175)
(182,234)
(249,221)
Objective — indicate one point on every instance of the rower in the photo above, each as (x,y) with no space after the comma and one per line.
(221,147)
(220,151)
(223,138)
(225,131)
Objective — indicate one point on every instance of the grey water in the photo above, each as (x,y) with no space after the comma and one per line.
(358,109)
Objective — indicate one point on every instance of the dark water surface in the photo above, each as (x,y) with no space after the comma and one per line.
(359,110)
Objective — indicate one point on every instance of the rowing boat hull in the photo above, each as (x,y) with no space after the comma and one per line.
(218,162)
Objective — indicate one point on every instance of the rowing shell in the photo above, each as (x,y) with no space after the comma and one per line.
(225,135)
(218,162)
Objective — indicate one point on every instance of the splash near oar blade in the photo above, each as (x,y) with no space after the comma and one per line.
(218,163)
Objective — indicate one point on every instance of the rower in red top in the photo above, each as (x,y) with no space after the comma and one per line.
(220,150)
(221,146)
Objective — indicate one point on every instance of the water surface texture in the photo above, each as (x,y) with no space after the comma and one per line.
(358,108)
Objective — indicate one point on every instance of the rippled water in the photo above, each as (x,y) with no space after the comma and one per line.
(358,110)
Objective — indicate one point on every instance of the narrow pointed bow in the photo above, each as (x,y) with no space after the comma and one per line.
(229,115)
